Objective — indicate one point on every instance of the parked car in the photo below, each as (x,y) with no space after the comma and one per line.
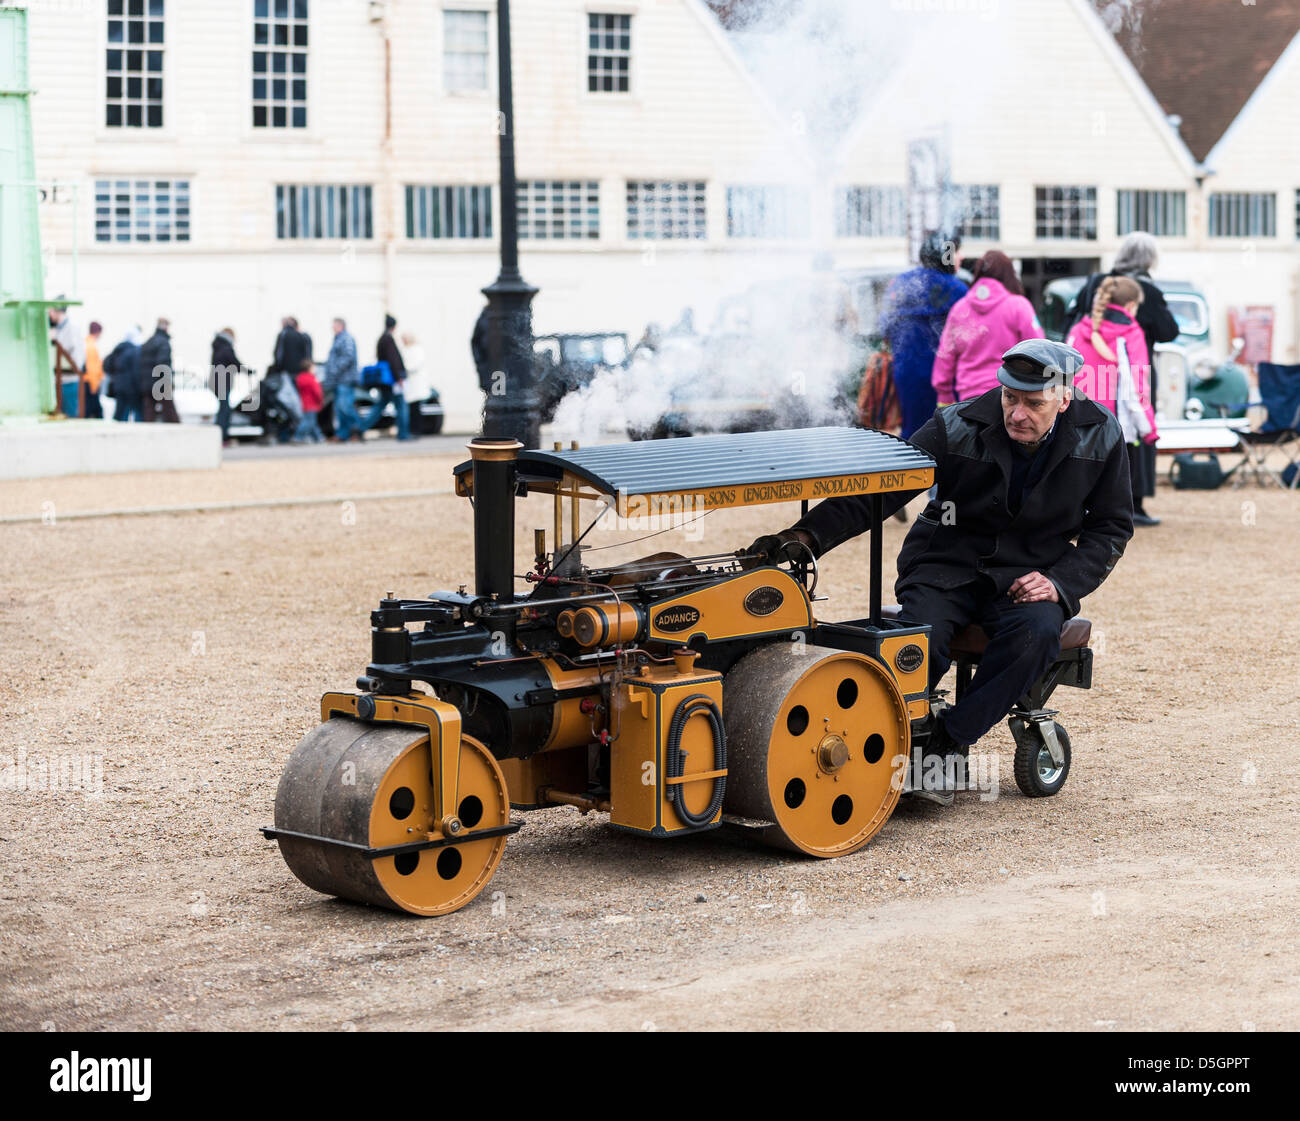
(564,363)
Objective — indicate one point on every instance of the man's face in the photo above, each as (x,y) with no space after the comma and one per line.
(338,326)
(1029,416)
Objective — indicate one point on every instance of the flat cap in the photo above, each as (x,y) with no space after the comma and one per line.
(1037,363)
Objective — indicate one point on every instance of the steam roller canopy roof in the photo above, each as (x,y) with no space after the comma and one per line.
(741,469)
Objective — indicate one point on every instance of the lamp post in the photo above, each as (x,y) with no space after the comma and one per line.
(511,410)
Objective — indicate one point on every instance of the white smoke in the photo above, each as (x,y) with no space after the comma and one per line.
(781,352)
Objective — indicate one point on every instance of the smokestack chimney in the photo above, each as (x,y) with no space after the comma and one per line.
(494,517)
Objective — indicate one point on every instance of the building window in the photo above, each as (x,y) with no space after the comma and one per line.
(1162,213)
(1065,213)
(775,212)
(665,210)
(464,51)
(133,72)
(449,212)
(609,53)
(279,63)
(142,210)
(318,210)
(1243,215)
(870,212)
(553,209)
(977,209)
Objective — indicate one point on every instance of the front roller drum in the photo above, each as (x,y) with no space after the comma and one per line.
(816,741)
(372,785)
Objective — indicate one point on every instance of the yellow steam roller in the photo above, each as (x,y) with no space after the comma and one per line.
(672,693)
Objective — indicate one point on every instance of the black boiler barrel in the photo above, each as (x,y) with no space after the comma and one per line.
(494,517)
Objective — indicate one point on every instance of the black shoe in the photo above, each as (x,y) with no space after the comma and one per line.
(1140,518)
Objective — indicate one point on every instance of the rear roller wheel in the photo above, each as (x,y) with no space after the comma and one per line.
(1037,774)
(372,784)
(814,741)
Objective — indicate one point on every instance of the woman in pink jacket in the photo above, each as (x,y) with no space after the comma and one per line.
(1113,345)
(982,326)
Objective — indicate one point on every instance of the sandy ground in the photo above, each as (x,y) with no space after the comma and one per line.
(186,653)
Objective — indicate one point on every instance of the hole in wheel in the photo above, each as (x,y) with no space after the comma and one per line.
(841,809)
(875,748)
(847,693)
(406,862)
(797,722)
(794,793)
(470,811)
(401,803)
(449,863)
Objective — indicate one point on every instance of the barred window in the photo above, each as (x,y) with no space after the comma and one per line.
(1162,213)
(464,51)
(449,212)
(317,210)
(279,63)
(141,210)
(1297,214)
(1241,214)
(555,209)
(609,53)
(1065,213)
(658,210)
(133,70)
(870,212)
(977,209)
(776,212)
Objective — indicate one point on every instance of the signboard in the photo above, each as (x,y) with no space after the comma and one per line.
(1254,325)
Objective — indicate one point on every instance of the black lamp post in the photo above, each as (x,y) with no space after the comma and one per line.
(512,408)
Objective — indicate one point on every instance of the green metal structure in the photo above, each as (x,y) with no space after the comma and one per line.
(26,381)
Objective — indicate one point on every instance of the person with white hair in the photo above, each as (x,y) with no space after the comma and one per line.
(1137,257)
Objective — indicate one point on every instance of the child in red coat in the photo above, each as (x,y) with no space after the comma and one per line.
(309,392)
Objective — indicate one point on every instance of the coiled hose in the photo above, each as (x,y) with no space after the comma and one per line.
(697,702)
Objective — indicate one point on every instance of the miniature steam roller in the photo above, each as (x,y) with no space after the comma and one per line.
(672,693)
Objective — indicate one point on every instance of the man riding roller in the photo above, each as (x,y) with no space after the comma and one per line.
(1021,473)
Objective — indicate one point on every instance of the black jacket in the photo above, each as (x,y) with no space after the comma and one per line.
(224,366)
(123,369)
(156,355)
(386,351)
(966,531)
(291,347)
(1153,315)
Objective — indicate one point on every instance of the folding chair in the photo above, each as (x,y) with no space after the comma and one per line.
(1279,391)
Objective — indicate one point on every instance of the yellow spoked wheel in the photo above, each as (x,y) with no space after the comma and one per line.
(814,741)
(371,786)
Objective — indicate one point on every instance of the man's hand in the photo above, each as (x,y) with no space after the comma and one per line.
(1033,587)
(776,548)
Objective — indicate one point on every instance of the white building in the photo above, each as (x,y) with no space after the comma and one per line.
(234,161)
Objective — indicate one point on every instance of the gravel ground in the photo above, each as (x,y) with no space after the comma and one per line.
(186,652)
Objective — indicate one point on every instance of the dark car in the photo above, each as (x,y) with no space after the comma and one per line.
(564,363)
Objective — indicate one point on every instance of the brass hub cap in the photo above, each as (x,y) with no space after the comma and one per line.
(832,754)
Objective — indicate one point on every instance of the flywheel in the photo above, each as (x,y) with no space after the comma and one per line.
(372,786)
(814,740)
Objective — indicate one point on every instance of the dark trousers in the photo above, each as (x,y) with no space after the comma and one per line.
(159,406)
(128,406)
(1024,639)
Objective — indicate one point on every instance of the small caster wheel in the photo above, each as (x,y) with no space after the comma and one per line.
(1036,773)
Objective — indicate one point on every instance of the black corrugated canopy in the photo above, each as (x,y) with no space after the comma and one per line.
(750,465)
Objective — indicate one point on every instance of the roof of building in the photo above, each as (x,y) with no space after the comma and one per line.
(1202,59)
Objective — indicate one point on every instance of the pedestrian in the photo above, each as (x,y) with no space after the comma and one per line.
(125,379)
(341,380)
(91,405)
(309,393)
(159,383)
(291,347)
(1137,258)
(916,306)
(393,387)
(1114,349)
(1038,476)
(418,385)
(983,325)
(225,365)
(67,335)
